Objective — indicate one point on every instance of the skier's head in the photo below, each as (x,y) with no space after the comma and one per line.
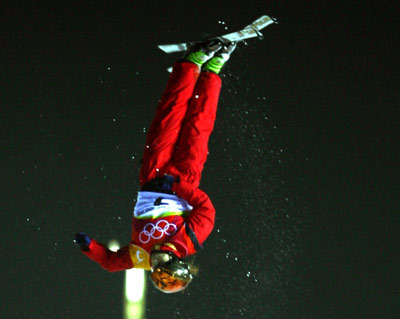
(169,274)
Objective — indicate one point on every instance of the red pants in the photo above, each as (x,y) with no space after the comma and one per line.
(177,142)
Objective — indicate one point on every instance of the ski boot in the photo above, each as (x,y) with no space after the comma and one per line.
(216,63)
(200,53)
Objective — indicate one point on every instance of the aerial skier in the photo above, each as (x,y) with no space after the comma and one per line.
(173,217)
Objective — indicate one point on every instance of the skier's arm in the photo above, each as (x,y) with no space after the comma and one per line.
(201,218)
(109,260)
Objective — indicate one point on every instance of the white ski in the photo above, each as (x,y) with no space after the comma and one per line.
(250,31)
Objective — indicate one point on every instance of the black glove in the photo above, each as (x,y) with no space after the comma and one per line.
(160,184)
(83,241)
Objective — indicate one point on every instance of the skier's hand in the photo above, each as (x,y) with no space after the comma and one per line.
(166,182)
(83,241)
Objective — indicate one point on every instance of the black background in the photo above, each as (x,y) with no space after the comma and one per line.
(303,164)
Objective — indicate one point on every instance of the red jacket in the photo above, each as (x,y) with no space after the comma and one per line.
(200,220)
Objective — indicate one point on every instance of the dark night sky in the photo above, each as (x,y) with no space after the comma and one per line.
(302,169)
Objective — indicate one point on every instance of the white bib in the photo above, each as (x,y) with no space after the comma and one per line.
(156,205)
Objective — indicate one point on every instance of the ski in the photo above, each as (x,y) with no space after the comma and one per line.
(250,31)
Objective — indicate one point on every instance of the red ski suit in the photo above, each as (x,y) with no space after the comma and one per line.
(177,145)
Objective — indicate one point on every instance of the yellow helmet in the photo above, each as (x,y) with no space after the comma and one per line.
(169,274)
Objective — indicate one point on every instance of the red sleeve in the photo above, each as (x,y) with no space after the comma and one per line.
(109,260)
(201,218)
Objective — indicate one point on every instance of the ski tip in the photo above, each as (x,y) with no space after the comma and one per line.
(172,48)
(275,20)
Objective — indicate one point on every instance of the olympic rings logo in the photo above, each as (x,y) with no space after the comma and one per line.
(156,231)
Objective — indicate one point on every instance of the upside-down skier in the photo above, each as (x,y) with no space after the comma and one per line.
(173,217)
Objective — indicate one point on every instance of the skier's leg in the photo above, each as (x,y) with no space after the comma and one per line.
(165,127)
(192,149)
